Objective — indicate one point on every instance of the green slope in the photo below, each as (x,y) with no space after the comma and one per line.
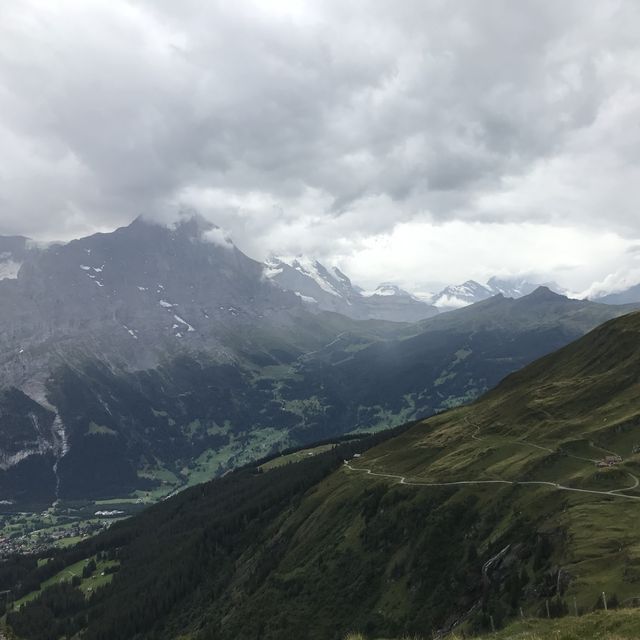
(612,625)
(451,360)
(480,513)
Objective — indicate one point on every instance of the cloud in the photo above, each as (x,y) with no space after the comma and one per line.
(611,283)
(418,253)
(325,126)
(218,237)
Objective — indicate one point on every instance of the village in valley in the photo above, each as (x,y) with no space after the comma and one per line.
(32,533)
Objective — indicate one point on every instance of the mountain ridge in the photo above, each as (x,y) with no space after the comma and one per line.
(331,290)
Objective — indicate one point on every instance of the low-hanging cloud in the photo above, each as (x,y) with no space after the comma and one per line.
(319,125)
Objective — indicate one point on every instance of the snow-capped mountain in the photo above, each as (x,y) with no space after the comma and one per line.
(311,281)
(329,289)
(470,292)
(134,294)
(461,295)
(519,287)
(389,289)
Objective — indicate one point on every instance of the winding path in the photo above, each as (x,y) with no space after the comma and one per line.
(555,485)
(613,493)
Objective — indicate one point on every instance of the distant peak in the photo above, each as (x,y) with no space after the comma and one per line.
(543,293)
(192,224)
(389,289)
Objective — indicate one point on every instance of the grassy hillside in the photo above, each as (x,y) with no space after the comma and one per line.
(612,625)
(476,516)
(452,359)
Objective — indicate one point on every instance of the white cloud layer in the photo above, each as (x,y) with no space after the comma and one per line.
(418,140)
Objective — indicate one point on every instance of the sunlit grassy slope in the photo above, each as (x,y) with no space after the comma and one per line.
(549,423)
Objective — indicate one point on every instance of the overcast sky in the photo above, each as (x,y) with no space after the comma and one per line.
(417,141)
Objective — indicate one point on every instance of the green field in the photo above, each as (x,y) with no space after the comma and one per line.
(87,585)
(296,456)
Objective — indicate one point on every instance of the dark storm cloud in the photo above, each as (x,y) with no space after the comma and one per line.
(346,117)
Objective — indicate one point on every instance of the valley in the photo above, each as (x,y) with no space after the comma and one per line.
(523,499)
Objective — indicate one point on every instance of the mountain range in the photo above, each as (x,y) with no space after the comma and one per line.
(470,292)
(331,290)
(521,504)
(147,359)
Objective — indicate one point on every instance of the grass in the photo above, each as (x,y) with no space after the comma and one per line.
(87,585)
(63,543)
(296,456)
(615,625)
(623,624)
(237,452)
(547,423)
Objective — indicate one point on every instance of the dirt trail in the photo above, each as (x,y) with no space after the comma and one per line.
(612,493)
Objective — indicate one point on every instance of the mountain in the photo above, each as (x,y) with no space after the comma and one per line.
(390,302)
(518,287)
(470,292)
(520,504)
(461,295)
(131,296)
(326,289)
(127,353)
(628,296)
(452,359)
(316,285)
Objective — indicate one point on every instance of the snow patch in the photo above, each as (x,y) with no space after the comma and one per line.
(184,322)
(271,271)
(167,305)
(308,299)
(84,267)
(9,268)
(131,332)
